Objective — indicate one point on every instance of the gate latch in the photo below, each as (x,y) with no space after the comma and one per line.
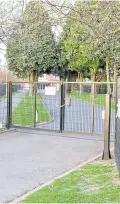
(68,105)
(60,106)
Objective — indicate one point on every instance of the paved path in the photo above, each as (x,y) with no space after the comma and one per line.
(78,117)
(29,158)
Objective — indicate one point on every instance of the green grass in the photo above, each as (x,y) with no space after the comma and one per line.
(23,114)
(99,99)
(93,183)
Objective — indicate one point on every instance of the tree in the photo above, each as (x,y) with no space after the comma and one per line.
(31,49)
(78,49)
(93,35)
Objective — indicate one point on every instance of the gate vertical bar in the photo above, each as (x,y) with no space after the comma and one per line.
(106,152)
(93,106)
(35,104)
(62,107)
(9,105)
(8,93)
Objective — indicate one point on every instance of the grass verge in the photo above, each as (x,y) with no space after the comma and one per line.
(23,114)
(99,99)
(92,183)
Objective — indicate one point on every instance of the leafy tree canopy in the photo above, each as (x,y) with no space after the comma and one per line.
(32,48)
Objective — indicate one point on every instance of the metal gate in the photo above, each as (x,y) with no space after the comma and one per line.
(61,106)
(37,105)
(85,111)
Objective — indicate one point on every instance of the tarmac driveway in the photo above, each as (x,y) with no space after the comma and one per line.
(29,158)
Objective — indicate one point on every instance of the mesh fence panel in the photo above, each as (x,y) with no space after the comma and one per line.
(78,114)
(22,104)
(87,109)
(50,111)
(3,105)
(47,114)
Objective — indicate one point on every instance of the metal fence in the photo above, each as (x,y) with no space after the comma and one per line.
(4,102)
(2,89)
(68,106)
(3,105)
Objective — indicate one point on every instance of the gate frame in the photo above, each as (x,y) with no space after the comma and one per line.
(106,151)
(62,108)
(9,105)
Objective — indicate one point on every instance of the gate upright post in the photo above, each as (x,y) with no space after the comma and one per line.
(93,106)
(63,118)
(62,107)
(35,90)
(9,105)
(106,152)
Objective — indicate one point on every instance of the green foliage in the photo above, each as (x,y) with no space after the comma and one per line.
(32,47)
(90,35)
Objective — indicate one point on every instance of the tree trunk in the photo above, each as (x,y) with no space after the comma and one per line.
(108,76)
(80,78)
(71,86)
(73,79)
(36,79)
(115,80)
(93,86)
(33,77)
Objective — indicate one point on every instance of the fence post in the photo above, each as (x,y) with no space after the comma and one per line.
(63,119)
(9,105)
(117,127)
(106,152)
(35,90)
(62,108)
